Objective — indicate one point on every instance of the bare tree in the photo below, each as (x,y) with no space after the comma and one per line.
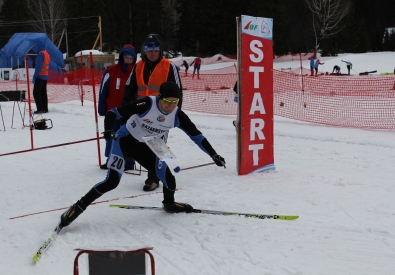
(327,17)
(48,16)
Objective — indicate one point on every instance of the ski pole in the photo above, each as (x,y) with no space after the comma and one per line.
(192,167)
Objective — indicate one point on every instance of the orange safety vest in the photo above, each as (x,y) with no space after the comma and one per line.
(158,76)
(45,66)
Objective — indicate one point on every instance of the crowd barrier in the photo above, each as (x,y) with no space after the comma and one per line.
(348,101)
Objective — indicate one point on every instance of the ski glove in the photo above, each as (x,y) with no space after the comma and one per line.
(219,161)
(109,134)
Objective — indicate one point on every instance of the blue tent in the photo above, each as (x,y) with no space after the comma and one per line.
(20,44)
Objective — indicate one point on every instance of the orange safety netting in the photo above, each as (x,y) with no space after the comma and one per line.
(350,101)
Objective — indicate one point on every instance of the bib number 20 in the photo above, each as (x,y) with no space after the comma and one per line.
(116,163)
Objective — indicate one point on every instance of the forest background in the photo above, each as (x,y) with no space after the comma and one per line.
(195,27)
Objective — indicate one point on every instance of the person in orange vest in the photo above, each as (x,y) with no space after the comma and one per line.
(111,91)
(147,76)
(40,78)
(196,66)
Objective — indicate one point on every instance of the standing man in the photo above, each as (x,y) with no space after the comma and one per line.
(128,142)
(349,65)
(149,73)
(196,67)
(40,78)
(312,66)
(111,91)
(317,63)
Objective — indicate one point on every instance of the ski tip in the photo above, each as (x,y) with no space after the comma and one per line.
(286,217)
(35,258)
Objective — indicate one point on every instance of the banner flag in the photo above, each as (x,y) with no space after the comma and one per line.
(256,95)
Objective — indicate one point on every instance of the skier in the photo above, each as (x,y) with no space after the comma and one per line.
(349,65)
(196,66)
(336,68)
(312,66)
(149,116)
(317,63)
(185,64)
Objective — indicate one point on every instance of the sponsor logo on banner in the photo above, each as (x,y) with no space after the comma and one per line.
(258,26)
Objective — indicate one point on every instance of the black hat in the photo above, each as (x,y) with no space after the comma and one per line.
(169,89)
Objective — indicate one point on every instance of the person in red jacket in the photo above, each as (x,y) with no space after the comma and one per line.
(196,66)
(112,88)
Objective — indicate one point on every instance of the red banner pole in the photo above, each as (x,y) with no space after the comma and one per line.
(29,102)
(95,107)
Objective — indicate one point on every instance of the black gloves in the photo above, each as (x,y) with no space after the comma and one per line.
(109,134)
(219,161)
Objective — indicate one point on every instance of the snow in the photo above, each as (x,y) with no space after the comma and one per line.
(340,182)
(87,52)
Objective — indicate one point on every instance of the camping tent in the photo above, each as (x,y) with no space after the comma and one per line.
(20,44)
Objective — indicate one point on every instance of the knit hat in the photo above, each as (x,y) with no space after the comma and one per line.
(127,50)
(169,89)
(153,41)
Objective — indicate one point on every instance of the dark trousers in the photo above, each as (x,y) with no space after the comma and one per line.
(131,148)
(40,94)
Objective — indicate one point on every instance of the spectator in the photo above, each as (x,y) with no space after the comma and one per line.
(111,91)
(317,63)
(349,65)
(196,67)
(129,142)
(149,73)
(336,68)
(185,64)
(312,66)
(40,78)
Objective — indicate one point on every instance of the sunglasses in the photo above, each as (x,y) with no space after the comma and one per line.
(128,56)
(175,101)
(151,47)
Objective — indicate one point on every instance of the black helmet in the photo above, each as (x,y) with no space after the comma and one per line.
(153,41)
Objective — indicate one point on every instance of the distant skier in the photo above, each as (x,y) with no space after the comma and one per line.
(336,68)
(316,64)
(349,65)
(196,66)
(185,64)
(312,66)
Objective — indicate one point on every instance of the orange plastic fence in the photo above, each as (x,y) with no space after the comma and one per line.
(349,101)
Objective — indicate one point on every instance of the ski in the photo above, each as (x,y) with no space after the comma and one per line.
(366,73)
(51,237)
(213,212)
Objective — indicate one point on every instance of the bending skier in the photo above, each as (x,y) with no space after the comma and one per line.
(149,116)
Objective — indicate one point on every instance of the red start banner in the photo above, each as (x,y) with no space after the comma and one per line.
(256,109)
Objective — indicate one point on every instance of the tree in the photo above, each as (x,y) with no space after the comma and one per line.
(170,21)
(327,17)
(48,16)
(12,14)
